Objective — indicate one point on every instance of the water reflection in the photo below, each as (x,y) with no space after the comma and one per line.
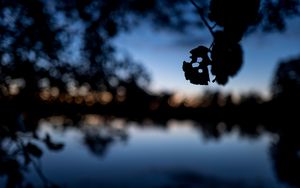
(108,152)
(286,156)
(20,157)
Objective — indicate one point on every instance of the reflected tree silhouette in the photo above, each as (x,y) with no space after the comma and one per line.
(20,154)
(99,139)
(283,150)
(285,155)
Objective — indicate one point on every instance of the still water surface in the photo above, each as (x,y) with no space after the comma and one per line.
(118,153)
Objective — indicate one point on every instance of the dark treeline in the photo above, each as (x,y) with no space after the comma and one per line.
(131,101)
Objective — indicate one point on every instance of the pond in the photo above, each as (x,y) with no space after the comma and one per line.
(98,152)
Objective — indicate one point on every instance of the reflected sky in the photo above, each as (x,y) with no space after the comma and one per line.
(152,155)
(162,52)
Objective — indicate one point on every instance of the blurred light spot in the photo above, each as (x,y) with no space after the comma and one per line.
(54,92)
(175,100)
(45,94)
(13,89)
(105,97)
(191,102)
(93,120)
(83,90)
(121,94)
(89,99)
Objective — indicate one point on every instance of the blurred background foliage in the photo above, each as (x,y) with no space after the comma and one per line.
(68,43)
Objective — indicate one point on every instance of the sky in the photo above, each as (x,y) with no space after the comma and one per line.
(162,54)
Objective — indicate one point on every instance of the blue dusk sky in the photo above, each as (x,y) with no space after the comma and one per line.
(162,53)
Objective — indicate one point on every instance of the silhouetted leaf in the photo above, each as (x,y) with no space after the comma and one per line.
(227,60)
(200,51)
(199,74)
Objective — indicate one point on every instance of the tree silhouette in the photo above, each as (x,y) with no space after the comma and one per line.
(71,42)
(286,81)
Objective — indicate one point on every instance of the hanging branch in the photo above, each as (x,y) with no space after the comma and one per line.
(201,13)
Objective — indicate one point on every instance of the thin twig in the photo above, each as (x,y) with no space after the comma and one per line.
(211,46)
(200,11)
(41,174)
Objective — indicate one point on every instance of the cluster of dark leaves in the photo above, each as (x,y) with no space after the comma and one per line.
(233,19)
(225,54)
